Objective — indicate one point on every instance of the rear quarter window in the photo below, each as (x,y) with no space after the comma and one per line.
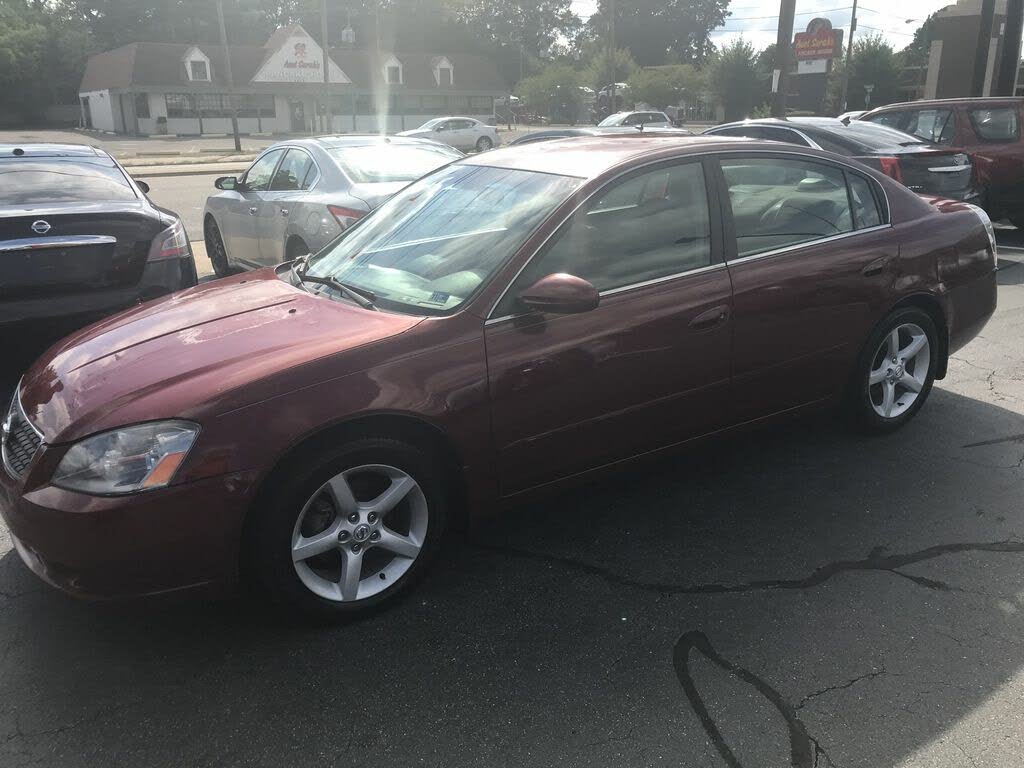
(24,182)
(995,124)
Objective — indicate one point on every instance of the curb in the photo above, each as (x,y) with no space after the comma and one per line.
(155,172)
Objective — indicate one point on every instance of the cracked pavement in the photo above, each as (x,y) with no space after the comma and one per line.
(797,597)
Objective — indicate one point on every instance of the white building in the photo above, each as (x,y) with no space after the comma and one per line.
(182,89)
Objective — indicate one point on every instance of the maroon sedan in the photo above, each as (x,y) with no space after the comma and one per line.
(511,322)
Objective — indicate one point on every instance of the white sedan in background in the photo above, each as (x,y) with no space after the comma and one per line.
(463,133)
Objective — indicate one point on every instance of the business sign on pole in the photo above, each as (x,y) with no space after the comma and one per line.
(812,66)
(820,41)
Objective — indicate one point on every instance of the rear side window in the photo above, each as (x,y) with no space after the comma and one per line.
(999,124)
(865,204)
(779,202)
(889,119)
(61,181)
(934,125)
(782,134)
(295,172)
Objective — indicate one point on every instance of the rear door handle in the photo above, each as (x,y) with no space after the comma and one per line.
(711,318)
(876,267)
(253,211)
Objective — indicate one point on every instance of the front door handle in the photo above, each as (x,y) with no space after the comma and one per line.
(711,318)
(284,211)
(253,211)
(876,267)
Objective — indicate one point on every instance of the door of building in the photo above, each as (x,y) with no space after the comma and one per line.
(298,110)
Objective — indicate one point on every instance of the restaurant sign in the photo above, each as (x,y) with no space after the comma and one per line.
(298,60)
(820,41)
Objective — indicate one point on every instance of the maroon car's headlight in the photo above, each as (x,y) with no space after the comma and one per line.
(126,460)
(172,243)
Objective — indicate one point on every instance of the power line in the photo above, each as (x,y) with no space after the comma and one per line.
(801,13)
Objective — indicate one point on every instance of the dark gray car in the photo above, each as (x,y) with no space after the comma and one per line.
(301,194)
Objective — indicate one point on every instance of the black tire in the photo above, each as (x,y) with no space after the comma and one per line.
(269,541)
(862,398)
(483,144)
(215,249)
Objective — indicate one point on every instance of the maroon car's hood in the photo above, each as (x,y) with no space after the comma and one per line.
(193,352)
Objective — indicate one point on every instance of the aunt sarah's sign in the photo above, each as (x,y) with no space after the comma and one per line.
(298,60)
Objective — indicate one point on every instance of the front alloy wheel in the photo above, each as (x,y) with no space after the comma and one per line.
(359,533)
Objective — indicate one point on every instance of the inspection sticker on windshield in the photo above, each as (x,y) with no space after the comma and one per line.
(438,297)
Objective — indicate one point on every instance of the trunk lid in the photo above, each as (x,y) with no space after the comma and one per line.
(931,171)
(73,247)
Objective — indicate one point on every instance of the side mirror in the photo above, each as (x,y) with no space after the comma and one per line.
(227,183)
(143,186)
(561,294)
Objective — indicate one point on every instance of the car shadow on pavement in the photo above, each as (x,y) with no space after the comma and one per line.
(800,596)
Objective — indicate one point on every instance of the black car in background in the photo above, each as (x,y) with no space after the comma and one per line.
(79,240)
(926,168)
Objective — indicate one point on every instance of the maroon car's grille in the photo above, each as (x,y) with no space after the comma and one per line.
(20,440)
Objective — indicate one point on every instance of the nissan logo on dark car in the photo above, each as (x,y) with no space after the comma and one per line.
(40,227)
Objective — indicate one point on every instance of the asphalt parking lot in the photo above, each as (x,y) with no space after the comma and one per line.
(801,596)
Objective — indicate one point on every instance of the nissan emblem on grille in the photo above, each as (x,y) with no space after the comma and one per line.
(40,226)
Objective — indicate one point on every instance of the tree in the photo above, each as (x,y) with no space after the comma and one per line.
(661,31)
(733,78)
(666,86)
(918,50)
(874,62)
(605,66)
(554,92)
(535,25)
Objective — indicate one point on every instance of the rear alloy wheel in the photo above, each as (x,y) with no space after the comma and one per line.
(215,250)
(483,144)
(352,531)
(897,370)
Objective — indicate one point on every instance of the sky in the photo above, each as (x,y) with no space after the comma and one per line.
(756,20)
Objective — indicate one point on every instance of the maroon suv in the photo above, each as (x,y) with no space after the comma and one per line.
(989,129)
(509,323)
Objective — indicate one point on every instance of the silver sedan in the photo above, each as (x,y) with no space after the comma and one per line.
(300,195)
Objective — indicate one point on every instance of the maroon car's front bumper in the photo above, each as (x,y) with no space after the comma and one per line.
(176,538)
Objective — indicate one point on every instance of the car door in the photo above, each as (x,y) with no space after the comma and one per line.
(282,207)
(241,225)
(461,134)
(810,273)
(649,366)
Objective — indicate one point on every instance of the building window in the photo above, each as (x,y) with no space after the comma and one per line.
(481,104)
(142,105)
(180,105)
(444,76)
(435,105)
(211,105)
(255,104)
(394,74)
(199,70)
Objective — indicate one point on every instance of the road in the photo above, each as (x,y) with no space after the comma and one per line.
(186,196)
(801,596)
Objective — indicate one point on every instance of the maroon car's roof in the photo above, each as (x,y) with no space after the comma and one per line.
(587,157)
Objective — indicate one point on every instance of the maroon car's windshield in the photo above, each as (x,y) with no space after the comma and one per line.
(433,244)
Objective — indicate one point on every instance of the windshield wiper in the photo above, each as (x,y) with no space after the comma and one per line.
(360,296)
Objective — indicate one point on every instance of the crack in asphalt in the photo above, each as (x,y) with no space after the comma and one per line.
(875,561)
(804,749)
(1008,439)
(839,687)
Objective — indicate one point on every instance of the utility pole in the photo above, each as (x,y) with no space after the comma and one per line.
(783,53)
(981,51)
(328,117)
(611,56)
(227,73)
(1006,80)
(847,62)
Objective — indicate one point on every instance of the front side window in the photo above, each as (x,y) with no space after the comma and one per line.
(783,201)
(257,178)
(995,124)
(651,225)
(295,172)
(427,249)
